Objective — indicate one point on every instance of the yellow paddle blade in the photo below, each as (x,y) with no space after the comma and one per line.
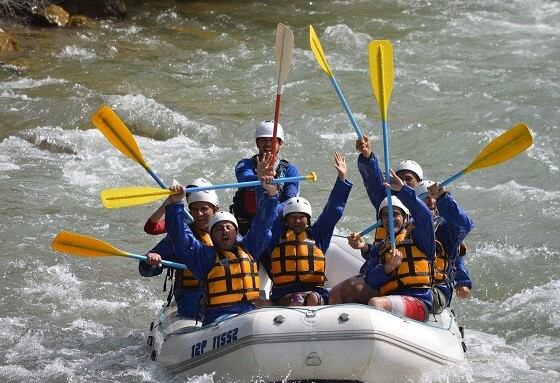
(283,53)
(132,196)
(83,246)
(503,148)
(117,134)
(317,50)
(381,73)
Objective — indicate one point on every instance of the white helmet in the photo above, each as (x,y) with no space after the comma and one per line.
(209,196)
(266,129)
(411,166)
(395,202)
(297,205)
(222,216)
(422,187)
(199,182)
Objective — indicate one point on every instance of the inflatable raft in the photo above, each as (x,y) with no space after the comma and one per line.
(349,342)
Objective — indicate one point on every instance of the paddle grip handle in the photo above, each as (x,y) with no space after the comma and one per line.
(346,107)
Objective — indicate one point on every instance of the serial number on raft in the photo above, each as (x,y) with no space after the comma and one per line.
(218,341)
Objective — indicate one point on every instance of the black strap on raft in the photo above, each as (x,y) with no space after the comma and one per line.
(169,276)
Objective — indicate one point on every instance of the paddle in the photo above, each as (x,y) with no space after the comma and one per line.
(116,132)
(283,54)
(84,246)
(317,50)
(381,76)
(501,149)
(139,195)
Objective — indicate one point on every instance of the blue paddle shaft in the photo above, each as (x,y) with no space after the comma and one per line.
(244,184)
(445,183)
(369,229)
(384,125)
(144,258)
(346,107)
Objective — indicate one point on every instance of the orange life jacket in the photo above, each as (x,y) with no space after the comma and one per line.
(297,258)
(233,278)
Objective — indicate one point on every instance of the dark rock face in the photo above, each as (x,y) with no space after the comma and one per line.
(94,8)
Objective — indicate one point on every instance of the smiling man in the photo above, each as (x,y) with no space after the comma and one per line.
(245,199)
(295,260)
(228,268)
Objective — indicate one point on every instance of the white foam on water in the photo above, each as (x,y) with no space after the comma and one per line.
(519,192)
(339,137)
(29,83)
(6,164)
(494,359)
(15,371)
(28,348)
(53,283)
(10,94)
(167,15)
(13,328)
(158,116)
(539,299)
(543,150)
(87,328)
(103,304)
(76,52)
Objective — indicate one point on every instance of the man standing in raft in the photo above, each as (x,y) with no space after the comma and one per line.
(296,257)
(245,199)
(228,269)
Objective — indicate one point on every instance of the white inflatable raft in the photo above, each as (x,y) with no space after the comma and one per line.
(349,342)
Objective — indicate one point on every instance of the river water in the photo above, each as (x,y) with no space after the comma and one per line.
(192,79)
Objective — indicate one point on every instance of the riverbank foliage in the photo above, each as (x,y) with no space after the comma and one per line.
(11,8)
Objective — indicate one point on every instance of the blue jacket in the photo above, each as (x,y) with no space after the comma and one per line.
(423,237)
(200,258)
(373,179)
(321,231)
(451,232)
(462,277)
(245,171)
(187,299)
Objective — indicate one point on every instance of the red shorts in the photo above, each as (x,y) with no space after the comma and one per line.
(409,307)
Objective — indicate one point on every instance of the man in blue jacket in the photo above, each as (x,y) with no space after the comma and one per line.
(228,268)
(296,257)
(452,225)
(401,277)
(245,199)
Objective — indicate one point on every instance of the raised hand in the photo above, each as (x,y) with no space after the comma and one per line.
(355,241)
(176,198)
(396,183)
(266,173)
(340,165)
(436,190)
(364,147)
